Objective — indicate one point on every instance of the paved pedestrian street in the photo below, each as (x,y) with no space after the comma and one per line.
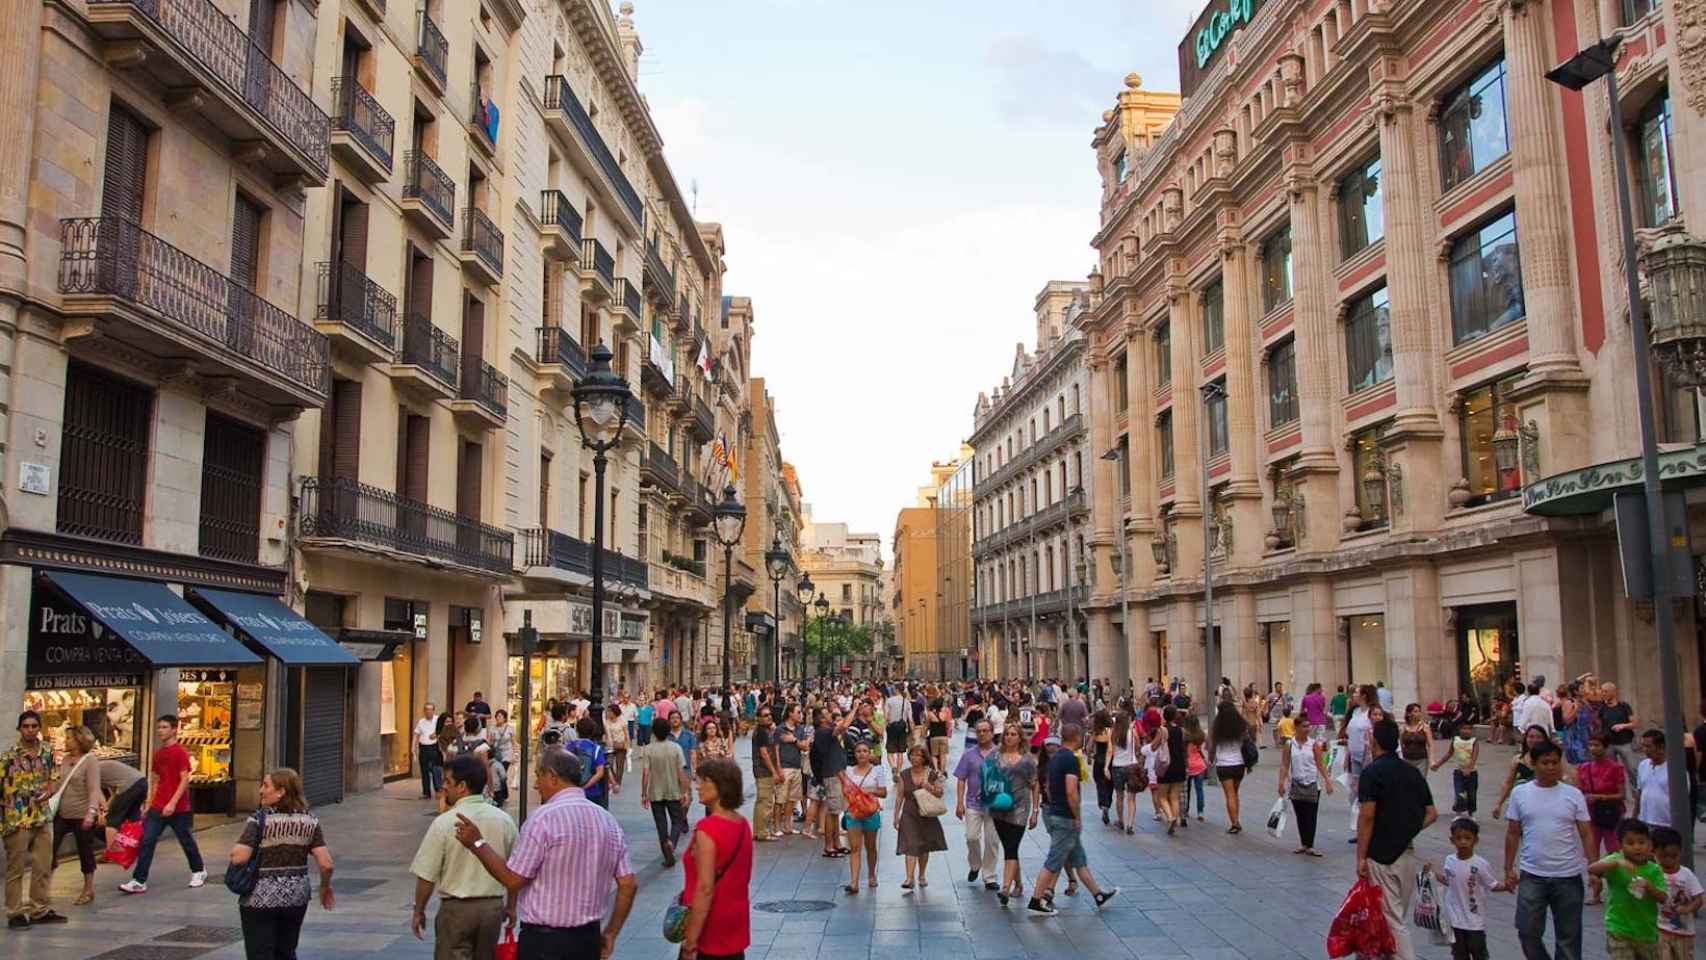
(1203,895)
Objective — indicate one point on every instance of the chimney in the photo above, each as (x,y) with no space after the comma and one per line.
(629,39)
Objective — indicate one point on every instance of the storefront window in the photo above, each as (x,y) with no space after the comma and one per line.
(1278,639)
(1368,341)
(1658,185)
(110,713)
(554,678)
(1487,653)
(399,703)
(1486,279)
(1362,219)
(1367,663)
(1213,318)
(1161,657)
(1282,384)
(1479,417)
(1276,268)
(206,700)
(1472,132)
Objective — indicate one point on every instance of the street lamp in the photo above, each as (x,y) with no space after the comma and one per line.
(601,411)
(777,563)
(805,588)
(728,522)
(1676,274)
(822,605)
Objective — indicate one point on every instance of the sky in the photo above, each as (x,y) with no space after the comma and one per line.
(896,182)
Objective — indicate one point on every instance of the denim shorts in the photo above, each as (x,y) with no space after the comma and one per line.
(1065,844)
(870,824)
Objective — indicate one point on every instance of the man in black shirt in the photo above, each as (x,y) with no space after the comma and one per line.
(1619,721)
(1065,825)
(766,772)
(828,759)
(1396,805)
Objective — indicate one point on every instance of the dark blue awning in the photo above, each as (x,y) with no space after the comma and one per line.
(156,622)
(277,628)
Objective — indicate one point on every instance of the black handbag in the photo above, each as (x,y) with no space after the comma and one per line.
(1250,753)
(240,878)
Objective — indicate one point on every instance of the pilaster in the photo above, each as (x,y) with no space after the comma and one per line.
(1315,473)
(1243,490)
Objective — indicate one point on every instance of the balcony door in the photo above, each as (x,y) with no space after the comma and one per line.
(122,188)
(473,346)
(414,439)
(470,470)
(340,455)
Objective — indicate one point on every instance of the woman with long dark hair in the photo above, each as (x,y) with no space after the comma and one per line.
(1171,775)
(1226,751)
(1522,767)
(1125,771)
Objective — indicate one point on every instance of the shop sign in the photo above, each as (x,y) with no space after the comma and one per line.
(632,629)
(1557,495)
(1207,38)
(69,649)
(474,626)
(580,621)
(420,626)
(187,675)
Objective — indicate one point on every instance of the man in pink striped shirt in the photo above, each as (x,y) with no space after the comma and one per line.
(569,854)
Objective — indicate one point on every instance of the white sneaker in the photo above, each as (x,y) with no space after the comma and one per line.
(198,878)
(131,886)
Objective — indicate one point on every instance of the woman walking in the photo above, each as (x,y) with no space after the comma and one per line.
(79,794)
(501,737)
(717,871)
(1572,723)
(1522,768)
(941,722)
(1415,740)
(284,835)
(1252,711)
(1171,763)
(712,744)
(1020,768)
(873,778)
(1226,747)
(1124,770)
(615,743)
(916,835)
(1303,773)
(1601,781)
(1100,737)
(1196,767)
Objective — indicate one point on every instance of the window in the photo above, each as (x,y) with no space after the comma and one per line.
(1655,168)
(1213,318)
(1481,413)
(1282,384)
(1368,341)
(1119,164)
(1218,437)
(1486,279)
(1123,466)
(1121,399)
(1472,131)
(1276,269)
(233,458)
(1365,456)
(1634,10)
(544,489)
(103,473)
(1362,219)
(1163,355)
(1164,442)
(847,593)
(1045,421)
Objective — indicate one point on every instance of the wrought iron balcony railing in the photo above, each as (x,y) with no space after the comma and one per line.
(487,387)
(599,259)
(350,297)
(340,508)
(556,346)
(431,48)
(361,116)
(559,96)
(431,349)
(111,256)
(629,294)
(424,181)
(636,411)
(555,210)
(659,468)
(544,547)
(662,277)
(481,237)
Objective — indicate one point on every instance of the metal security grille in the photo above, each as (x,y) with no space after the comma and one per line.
(103,473)
(233,455)
(323,735)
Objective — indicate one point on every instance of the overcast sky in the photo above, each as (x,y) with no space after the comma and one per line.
(896,181)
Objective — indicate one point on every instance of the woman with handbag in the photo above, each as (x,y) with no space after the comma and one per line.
(1226,750)
(918,805)
(717,871)
(74,803)
(865,784)
(1012,819)
(1302,777)
(283,835)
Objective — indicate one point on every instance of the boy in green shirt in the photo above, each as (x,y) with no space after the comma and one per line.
(1636,885)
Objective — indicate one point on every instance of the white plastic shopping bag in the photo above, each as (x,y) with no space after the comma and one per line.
(1276,818)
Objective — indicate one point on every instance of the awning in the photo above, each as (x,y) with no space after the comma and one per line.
(156,622)
(1590,489)
(379,645)
(278,629)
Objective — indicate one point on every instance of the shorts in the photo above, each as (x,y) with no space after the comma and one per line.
(1623,948)
(1673,947)
(1232,774)
(1129,779)
(870,824)
(1065,844)
(834,797)
(896,741)
(939,747)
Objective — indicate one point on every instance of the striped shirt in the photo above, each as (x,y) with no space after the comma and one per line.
(572,850)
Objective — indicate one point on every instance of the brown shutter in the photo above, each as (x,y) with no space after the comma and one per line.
(246,242)
(262,17)
(346,454)
(545,490)
(402,450)
(420,284)
(420,450)
(468,472)
(352,241)
(127,166)
(329,433)
(473,341)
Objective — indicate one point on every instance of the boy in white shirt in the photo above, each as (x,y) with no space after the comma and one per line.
(1467,878)
(1683,897)
(1148,755)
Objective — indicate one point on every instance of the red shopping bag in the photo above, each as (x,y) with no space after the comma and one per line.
(507,949)
(127,840)
(1360,929)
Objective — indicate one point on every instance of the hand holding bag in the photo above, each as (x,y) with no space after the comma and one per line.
(860,805)
(1276,818)
(126,842)
(507,948)
(929,805)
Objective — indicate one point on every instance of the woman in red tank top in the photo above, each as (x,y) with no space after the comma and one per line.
(718,869)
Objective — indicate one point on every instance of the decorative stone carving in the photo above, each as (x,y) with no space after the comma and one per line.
(1691,49)
(1351,522)
(1387,104)
(1459,494)
(1395,488)
(1528,441)
(1291,79)
(1225,152)
(1297,183)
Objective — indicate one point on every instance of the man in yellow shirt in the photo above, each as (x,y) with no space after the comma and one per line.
(471,905)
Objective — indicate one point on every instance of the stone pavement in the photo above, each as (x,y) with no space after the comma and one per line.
(1204,895)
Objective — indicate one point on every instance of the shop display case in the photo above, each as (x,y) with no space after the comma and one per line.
(108,712)
(205,703)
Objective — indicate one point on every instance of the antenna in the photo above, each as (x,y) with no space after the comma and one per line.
(693,185)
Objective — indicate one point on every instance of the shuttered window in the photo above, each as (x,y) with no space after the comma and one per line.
(468,471)
(233,460)
(340,432)
(545,490)
(414,457)
(127,166)
(473,344)
(246,242)
(103,473)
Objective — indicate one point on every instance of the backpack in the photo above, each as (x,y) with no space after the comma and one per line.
(588,753)
(997,789)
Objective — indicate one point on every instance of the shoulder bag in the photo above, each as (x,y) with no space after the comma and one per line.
(679,910)
(929,805)
(860,804)
(240,878)
(53,801)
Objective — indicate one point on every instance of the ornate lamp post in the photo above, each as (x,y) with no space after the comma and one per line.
(601,412)
(777,563)
(805,588)
(728,522)
(822,606)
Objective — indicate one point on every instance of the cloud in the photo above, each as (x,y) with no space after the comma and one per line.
(1036,85)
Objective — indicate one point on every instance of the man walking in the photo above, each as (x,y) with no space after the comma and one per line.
(766,771)
(1545,854)
(982,842)
(1396,805)
(1074,710)
(1652,782)
(664,787)
(27,776)
(427,755)
(471,904)
(1063,818)
(567,858)
(168,806)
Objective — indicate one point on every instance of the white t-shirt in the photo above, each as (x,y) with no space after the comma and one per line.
(1653,781)
(1680,887)
(997,720)
(1536,712)
(895,708)
(1466,886)
(1357,733)
(1149,762)
(877,776)
(425,732)
(629,712)
(1126,756)
(1229,753)
(1551,842)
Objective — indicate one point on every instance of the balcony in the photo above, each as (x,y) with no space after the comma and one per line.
(429,360)
(362,132)
(482,403)
(657,469)
(429,196)
(338,511)
(636,422)
(659,278)
(657,371)
(127,285)
(598,271)
(432,53)
(559,226)
(628,313)
(703,424)
(208,66)
(482,121)
(482,247)
(355,313)
(547,548)
(699,501)
(561,357)
(570,122)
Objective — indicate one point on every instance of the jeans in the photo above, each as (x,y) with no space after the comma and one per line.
(182,824)
(1065,845)
(1468,944)
(1190,782)
(1563,896)
(431,763)
(643,734)
(271,934)
(1464,787)
(556,943)
(670,817)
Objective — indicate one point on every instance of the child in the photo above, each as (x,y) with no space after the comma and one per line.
(1287,727)
(1196,768)
(1465,750)
(1467,878)
(1148,753)
(1637,886)
(1683,897)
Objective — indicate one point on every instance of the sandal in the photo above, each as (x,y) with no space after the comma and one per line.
(907,885)
(850,890)
(1315,853)
(833,854)
(84,899)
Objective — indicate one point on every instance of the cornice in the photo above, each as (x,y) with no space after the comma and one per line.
(607,58)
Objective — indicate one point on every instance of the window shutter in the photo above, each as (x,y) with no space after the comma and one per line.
(545,490)
(127,166)
(329,433)
(420,285)
(346,454)
(473,341)
(352,239)
(262,17)
(468,472)
(419,438)
(246,242)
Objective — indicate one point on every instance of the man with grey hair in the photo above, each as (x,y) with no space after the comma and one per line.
(570,853)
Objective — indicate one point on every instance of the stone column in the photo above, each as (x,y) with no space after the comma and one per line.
(1104,490)
(1187,470)
(1317,467)
(1140,654)
(1141,432)
(1244,489)
(1317,652)
(1414,668)
(1104,645)
(15,613)
(1243,658)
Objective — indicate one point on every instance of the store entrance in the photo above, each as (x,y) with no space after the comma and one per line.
(1487,651)
(402,680)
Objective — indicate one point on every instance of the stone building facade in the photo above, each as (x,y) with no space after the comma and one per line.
(1369,272)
